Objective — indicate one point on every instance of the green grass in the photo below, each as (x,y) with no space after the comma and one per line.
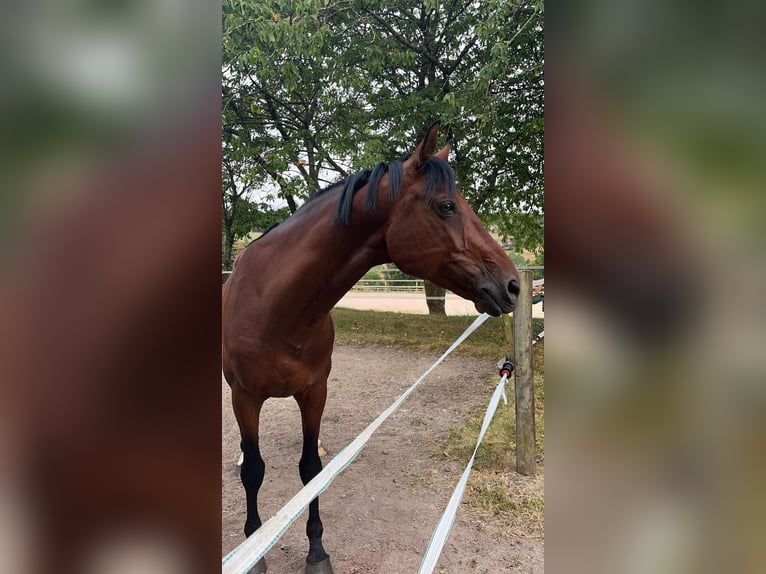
(421,333)
(493,453)
(495,492)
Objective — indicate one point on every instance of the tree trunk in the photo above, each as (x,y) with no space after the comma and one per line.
(435,306)
(227,250)
(291,203)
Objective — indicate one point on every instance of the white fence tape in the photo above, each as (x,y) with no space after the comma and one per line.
(244,557)
(442,530)
(439,537)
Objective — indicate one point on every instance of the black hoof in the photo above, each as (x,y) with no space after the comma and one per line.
(322,567)
(259,568)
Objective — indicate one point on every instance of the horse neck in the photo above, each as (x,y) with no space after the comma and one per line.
(325,258)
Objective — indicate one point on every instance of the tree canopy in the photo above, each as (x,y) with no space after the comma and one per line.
(316,89)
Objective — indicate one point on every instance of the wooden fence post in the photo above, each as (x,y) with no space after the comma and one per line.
(508,329)
(524,377)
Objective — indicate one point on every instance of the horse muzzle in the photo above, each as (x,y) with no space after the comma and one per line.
(496,298)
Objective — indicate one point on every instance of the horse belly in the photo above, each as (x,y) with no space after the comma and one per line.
(268,374)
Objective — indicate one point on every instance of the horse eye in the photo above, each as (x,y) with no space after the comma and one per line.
(447,207)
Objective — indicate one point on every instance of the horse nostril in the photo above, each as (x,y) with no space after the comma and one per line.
(513,287)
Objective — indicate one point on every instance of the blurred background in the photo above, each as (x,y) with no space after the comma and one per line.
(109,178)
(655,140)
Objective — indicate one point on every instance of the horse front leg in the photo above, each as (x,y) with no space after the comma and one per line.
(247,412)
(311,403)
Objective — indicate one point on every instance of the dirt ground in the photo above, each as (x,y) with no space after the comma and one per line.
(380,512)
(413,303)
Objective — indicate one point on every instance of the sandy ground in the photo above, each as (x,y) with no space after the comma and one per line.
(412,303)
(379,513)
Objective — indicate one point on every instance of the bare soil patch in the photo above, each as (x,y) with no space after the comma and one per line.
(380,512)
(414,303)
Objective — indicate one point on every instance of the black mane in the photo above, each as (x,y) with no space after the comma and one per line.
(438,174)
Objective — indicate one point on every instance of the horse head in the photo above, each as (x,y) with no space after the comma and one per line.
(433,233)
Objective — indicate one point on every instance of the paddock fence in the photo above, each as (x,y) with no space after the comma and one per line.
(398,289)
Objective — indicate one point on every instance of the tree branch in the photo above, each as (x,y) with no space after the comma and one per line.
(462,54)
(402,40)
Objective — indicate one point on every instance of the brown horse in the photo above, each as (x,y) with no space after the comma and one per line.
(277,331)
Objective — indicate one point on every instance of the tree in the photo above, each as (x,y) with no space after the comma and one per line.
(242,172)
(283,77)
(477,66)
(332,86)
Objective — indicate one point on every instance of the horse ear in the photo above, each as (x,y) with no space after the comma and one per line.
(426,148)
(443,153)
